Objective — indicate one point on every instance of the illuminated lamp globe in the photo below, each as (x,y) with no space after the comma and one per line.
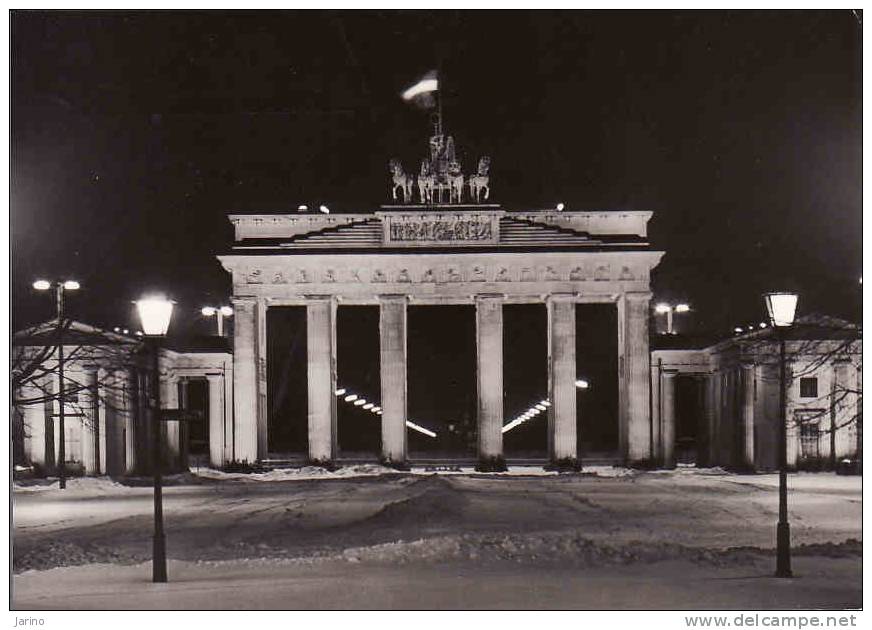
(781,307)
(226,311)
(155,313)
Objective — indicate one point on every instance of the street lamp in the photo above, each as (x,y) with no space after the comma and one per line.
(220,312)
(155,313)
(669,309)
(60,287)
(782,310)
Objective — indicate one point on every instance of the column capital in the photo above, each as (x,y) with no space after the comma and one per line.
(393,298)
(669,372)
(243,302)
(561,297)
(489,297)
(638,296)
(319,297)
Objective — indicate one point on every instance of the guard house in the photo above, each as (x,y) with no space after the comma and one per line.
(440,243)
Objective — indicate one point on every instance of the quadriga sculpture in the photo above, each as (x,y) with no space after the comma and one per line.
(478,183)
(401,180)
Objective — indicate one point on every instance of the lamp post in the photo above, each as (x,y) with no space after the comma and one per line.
(220,312)
(668,310)
(782,310)
(155,313)
(60,287)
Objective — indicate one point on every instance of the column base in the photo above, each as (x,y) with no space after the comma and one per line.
(642,464)
(326,464)
(244,466)
(567,464)
(491,463)
(402,465)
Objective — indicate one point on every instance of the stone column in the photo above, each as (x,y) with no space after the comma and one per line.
(321,346)
(562,447)
(169,397)
(131,396)
(90,407)
(260,360)
(244,381)
(656,411)
(843,445)
(34,426)
(392,353)
(636,362)
(621,306)
(667,410)
(489,355)
(216,420)
(746,460)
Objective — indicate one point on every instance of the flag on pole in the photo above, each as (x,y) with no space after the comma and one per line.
(421,93)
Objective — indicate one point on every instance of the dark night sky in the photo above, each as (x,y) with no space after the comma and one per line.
(133,134)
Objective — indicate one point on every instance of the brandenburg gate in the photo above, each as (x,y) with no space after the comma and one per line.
(412,253)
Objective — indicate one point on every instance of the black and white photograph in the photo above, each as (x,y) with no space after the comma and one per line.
(435,310)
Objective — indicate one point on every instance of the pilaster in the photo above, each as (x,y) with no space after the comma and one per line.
(636,368)
(393,365)
(244,381)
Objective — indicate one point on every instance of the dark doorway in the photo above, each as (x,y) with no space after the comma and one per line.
(198,427)
(357,355)
(525,379)
(689,416)
(287,381)
(596,359)
(441,381)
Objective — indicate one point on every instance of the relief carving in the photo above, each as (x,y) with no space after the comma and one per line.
(278,278)
(453,276)
(503,275)
(428,276)
(378,276)
(442,229)
(477,275)
(626,274)
(328,276)
(551,274)
(255,276)
(528,275)
(403,276)
(602,272)
(355,275)
(577,274)
(302,276)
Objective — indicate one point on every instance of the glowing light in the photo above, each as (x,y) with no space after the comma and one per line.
(420,429)
(155,313)
(139,333)
(682,308)
(560,207)
(360,402)
(351,398)
(340,391)
(116,329)
(324,209)
(582,383)
(71,285)
(226,311)
(126,331)
(547,403)
(368,406)
(427,84)
(42,285)
(781,308)
(662,308)
(762,324)
(302,207)
(541,407)
(737,329)
(208,311)
(376,410)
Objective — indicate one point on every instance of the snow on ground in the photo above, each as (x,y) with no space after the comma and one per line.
(309,519)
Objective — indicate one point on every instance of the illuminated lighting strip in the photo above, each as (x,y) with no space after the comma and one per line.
(538,408)
(357,402)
